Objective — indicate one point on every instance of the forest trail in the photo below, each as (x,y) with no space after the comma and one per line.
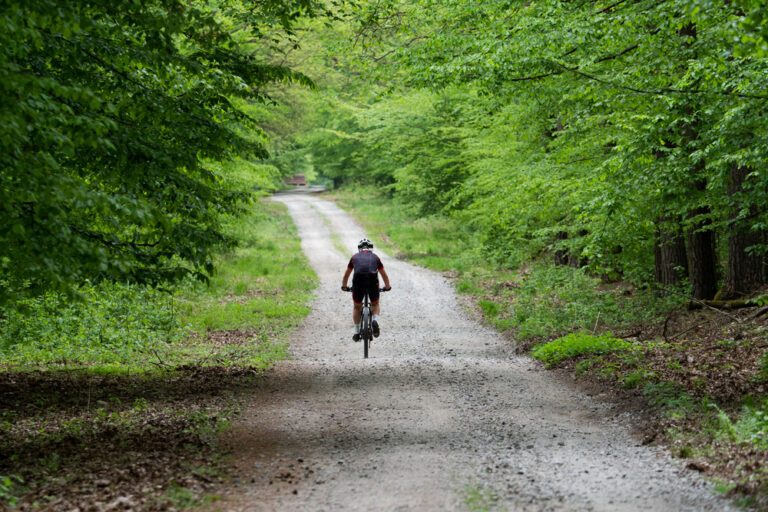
(443,416)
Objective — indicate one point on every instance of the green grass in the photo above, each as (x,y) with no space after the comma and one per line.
(436,242)
(264,285)
(535,300)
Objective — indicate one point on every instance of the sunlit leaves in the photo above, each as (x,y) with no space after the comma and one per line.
(619,110)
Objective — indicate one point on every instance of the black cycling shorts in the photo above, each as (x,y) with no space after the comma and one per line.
(362,283)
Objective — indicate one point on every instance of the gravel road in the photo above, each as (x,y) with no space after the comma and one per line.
(442,416)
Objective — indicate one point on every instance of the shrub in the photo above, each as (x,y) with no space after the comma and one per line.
(578,344)
(763,375)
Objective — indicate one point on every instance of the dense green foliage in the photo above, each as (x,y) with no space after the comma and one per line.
(601,131)
(111,323)
(116,116)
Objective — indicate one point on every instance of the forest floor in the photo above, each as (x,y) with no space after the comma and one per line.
(76,441)
(699,385)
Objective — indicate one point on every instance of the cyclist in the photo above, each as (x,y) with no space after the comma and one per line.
(367,267)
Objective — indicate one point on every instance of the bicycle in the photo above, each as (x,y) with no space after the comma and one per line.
(366,330)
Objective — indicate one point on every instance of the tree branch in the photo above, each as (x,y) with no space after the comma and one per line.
(100,237)
(664,90)
(617,55)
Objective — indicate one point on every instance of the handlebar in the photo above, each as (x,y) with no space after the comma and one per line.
(349,289)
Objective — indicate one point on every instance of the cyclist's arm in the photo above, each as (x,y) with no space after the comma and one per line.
(346,277)
(385,277)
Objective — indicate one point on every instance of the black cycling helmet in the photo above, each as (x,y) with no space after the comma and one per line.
(364,244)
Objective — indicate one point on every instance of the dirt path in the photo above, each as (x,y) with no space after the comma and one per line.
(443,416)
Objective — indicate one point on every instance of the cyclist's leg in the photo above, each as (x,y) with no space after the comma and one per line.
(373,293)
(375,309)
(358,292)
(365,328)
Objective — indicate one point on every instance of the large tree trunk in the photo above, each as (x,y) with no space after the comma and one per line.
(670,261)
(744,272)
(702,258)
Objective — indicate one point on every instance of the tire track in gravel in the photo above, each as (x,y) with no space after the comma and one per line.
(441,411)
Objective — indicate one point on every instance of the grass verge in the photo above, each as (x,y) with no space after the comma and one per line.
(116,400)
(703,373)
(533,302)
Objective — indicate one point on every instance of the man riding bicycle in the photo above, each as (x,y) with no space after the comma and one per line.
(367,267)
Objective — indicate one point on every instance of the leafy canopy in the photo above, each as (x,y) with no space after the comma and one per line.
(114,114)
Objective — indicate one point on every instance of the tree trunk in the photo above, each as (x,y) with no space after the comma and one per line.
(670,261)
(702,258)
(575,261)
(744,272)
(561,255)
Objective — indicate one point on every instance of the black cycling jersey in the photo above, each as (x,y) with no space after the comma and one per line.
(366,279)
(365,262)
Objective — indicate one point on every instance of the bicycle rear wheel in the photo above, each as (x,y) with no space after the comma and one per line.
(365,331)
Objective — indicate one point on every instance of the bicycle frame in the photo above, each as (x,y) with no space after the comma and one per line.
(366,329)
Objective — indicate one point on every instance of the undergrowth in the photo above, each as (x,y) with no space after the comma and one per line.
(107,324)
(260,288)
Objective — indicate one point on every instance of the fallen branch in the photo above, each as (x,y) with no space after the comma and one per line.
(160,363)
(731,304)
(666,322)
(695,325)
(632,334)
(702,303)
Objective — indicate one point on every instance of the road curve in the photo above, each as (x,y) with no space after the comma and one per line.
(443,416)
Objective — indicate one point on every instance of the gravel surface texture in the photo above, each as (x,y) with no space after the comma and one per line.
(442,416)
